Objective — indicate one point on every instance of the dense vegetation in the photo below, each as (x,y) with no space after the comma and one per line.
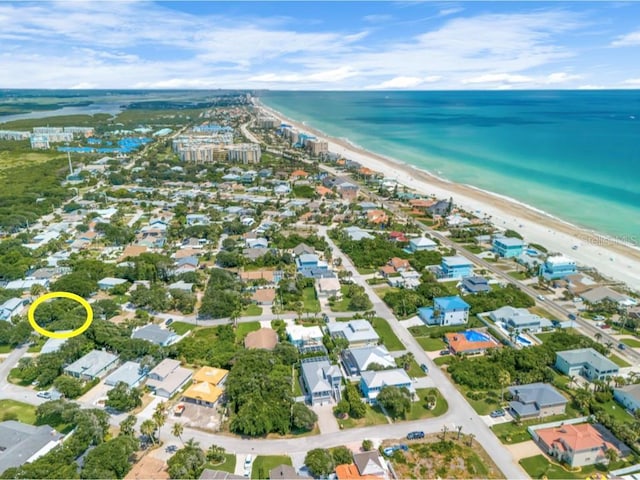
(222,297)
(370,253)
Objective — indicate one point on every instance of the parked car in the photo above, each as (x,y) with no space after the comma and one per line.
(171,449)
(444,352)
(415,435)
(622,346)
(46,394)
(248,460)
(424,368)
(169,321)
(497,413)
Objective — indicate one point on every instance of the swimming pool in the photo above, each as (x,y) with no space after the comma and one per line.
(473,336)
(523,341)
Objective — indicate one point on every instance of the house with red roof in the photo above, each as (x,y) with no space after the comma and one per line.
(577,445)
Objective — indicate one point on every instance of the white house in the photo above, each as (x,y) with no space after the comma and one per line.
(11,308)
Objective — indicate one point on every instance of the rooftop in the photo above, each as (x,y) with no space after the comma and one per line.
(587,355)
(578,437)
(19,442)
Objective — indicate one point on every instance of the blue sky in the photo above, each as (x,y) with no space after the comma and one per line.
(320,45)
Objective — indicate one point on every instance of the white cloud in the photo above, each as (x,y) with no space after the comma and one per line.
(591,87)
(377,18)
(328,76)
(561,77)
(632,82)
(627,40)
(404,82)
(505,78)
(449,11)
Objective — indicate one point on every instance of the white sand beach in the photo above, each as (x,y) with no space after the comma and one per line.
(612,258)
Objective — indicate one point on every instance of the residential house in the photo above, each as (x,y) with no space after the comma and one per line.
(168,377)
(282,189)
(475,284)
(377,217)
(264,338)
(303,249)
(302,336)
(108,283)
(130,373)
(421,243)
(21,443)
(155,334)
(519,319)
(348,191)
(371,382)
(356,234)
(54,344)
(256,242)
(367,206)
(186,264)
(409,279)
(253,254)
(558,266)
(469,342)
(399,264)
(457,220)
(206,388)
(195,219)
(322,381)
(356,332)
(628,396)
(536,400)
(284,472)
(264,296)
(577,444)
(370,463)
(586,362)
(307,260)
(600,294)
(11,308)
(440,208)
(400,237)
(445,311)
(508,247)
(209,474)
(181,285)
(357,360)
(26,285)
(269,277)
(94,364)
(328,287)
(455,267)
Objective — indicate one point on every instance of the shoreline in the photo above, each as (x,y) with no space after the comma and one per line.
(610,256)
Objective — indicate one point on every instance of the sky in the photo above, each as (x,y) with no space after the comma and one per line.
(308,45)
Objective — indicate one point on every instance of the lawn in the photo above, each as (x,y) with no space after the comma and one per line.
(229,464)
(483,402)
(390,340)
(311,303)
(539,466)
(341,305)
(414,370)
(366,271)
(451,286)
(618,361)
(245,328)
(12,410)
(251,310)
(518,275)
(541,312)
(182,327)
(440,361)
(6,348)
(616,411)
(374,416)
(264,463)
(631,342)
(419,409)
(431,344)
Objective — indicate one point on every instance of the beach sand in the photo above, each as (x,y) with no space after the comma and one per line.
(611,257)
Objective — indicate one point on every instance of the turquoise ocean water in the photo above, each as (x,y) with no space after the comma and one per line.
(573,154)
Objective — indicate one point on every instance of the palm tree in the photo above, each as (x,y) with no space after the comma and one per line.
(148,428)
(505,379)
(127,426)
(609,346)
(598,336)
(159,417)
(572,380)
(177,430)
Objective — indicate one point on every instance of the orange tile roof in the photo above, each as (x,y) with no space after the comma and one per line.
(350,472)
(366,171)
(459,343)
(133,251)
(397,262)
(299,173)
(322,190)
(577,437)
(387,269)
(421,203)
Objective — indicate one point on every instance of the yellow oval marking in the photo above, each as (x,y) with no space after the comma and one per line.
(70,296)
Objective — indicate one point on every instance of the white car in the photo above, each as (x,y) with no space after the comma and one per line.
(248,460)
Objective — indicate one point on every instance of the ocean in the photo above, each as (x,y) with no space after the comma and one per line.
(572,154)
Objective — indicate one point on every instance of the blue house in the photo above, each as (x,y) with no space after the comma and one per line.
(508,247)
(455,267)
(372,381)
(307,260)
(557,267)
(445,311)
(421,243)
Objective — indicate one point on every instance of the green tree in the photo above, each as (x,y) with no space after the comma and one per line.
(367,445)
(68,386)
(341,455)
(123,398)
(216,454)
(397,401)
(127,426)
(319,462)
(148,428)
(177,430)
(188,462)
(110,459)
(302,417)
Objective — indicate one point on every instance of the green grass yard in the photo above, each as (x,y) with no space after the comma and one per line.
(431,344)
(245,328)
(12,410)
(631,342)
(618,361)
(419,408)
(264,463)
(390,340)
(251,310)
(229,464)
(311,303)
(374,416)
(539,466)
(182,327)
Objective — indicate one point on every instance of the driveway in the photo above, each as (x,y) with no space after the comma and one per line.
(523,449)
(326,420)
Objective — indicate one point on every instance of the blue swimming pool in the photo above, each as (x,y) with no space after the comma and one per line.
(473,336)
(523,340)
